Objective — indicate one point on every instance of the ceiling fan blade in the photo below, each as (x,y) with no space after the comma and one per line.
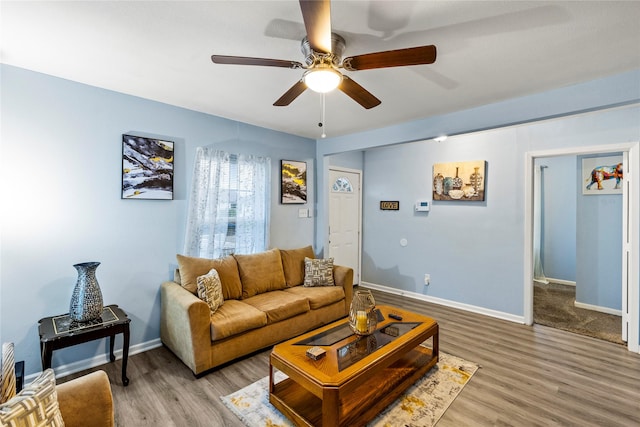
(245,60)
(358,93)
(291,94)
(317,20)
(391,58)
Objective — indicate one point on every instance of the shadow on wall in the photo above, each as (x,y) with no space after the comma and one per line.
(390,277)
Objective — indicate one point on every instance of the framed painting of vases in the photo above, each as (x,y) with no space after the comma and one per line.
(460,181)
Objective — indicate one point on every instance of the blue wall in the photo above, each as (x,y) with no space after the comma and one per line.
(61,177)
(599,246)
(474,252)
(350,160)
(559,218)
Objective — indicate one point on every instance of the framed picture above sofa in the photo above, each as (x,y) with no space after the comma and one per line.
(293,182)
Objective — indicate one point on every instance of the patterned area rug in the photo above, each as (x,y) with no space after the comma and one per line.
(421,405)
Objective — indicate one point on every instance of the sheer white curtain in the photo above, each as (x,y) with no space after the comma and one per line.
(228,204)
(538,272)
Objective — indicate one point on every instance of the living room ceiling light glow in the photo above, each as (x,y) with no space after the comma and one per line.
(322,79)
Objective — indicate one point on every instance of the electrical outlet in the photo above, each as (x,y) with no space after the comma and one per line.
(427,279)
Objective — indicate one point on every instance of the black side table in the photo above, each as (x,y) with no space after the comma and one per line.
(60,331)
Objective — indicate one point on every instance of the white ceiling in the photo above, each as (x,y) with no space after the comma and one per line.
(487,51)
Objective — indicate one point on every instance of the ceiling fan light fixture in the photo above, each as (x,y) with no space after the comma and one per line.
(322,79)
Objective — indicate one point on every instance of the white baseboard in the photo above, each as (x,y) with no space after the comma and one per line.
(561,281)
(81,365)
(448,303)
(598,308)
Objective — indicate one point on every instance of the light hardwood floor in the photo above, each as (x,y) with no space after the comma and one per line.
(529,376)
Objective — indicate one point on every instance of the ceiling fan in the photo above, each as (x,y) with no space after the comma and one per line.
(323,57)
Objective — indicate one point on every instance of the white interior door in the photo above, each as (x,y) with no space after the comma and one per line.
(344,219)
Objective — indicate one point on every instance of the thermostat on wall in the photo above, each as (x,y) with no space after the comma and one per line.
(422,206)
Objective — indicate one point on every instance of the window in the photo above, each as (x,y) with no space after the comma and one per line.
(229,204)
(342,185)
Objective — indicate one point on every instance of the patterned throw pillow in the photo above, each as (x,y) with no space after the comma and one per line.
(210,290)
(318,272)
(35,406)
(8,382)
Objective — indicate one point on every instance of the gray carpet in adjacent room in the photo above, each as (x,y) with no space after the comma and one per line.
(553,305)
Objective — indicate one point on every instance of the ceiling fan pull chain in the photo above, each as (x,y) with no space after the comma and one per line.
(322,119)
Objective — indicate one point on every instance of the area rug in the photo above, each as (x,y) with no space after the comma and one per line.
(422,404)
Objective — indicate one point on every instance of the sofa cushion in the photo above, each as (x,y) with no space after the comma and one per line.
(318,272)
(293,264)
(36,405)
(279,305)
(210,290)
(235,317)
(320,296)
(191,268)
(261,272)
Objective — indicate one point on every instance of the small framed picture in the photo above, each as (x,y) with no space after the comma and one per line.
(602,175)
(293,182)
(147,168)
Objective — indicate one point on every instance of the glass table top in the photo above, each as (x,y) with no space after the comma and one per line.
(362,346)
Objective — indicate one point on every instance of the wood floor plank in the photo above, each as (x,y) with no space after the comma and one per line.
(529,376)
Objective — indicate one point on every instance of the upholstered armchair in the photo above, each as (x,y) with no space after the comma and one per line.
(83,401)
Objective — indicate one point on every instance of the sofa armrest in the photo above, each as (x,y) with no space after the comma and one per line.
(86,401)
(185,325)
(343,276)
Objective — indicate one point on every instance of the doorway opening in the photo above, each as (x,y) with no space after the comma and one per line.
(630,221)
(560,266)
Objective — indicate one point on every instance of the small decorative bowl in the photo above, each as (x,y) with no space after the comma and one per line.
(469,191)
(456,194)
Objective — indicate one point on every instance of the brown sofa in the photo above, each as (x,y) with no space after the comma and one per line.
(83,401)
(86,401)
(265,302)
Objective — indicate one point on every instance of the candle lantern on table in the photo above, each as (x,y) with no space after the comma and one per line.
(362,316)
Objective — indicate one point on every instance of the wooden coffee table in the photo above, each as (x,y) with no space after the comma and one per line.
(358,377)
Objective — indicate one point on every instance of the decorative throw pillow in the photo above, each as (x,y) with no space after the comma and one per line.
(210,290)
(35,406)
(318,272)
(8,382)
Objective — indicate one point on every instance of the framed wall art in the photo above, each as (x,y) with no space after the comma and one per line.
(293,182)
(602,175)
(463,181)
(147,168)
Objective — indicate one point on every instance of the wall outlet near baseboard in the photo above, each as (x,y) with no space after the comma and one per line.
(427,279)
